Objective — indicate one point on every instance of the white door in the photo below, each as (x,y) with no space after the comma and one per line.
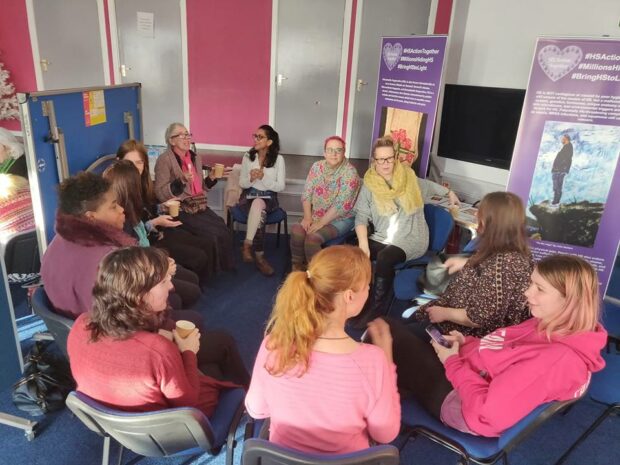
(70,39)
(150,51)
(379,19)
(308,65)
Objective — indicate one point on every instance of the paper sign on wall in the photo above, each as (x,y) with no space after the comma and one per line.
(144,24)
(94,107)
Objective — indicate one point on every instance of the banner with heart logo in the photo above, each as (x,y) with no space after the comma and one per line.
(391,54)
(565,164)
(410,70)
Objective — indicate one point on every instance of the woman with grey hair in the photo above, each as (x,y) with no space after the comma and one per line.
(11,151)
(178,175)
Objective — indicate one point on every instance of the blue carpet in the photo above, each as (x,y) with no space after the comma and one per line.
(240,303)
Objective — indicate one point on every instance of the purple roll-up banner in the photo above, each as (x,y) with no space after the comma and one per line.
(408,88)
(565,161)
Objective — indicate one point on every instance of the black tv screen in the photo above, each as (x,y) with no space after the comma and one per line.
(479,124)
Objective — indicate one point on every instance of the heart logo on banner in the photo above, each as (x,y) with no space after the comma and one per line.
(558,63)
(391,54)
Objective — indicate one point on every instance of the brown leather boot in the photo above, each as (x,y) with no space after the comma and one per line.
(263,265)
(246,252)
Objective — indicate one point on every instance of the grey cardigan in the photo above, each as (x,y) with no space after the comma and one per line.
(407,232)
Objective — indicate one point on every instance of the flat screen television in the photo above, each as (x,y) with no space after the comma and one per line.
(479,124)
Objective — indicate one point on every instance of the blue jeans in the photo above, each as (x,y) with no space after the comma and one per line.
(558,182)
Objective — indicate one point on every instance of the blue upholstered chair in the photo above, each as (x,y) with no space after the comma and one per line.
(440,225)
(475,449)
(163,433)
(278,216)
(58,325)
(262,452)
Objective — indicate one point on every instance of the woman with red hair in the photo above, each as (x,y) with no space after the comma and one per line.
(328,199)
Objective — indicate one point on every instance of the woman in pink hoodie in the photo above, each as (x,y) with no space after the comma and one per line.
(484,386)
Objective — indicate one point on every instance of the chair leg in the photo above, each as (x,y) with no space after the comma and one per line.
(587,433)
(278,236)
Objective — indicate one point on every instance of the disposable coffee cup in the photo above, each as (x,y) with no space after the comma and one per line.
(184,328)
(173,208)
(218,170)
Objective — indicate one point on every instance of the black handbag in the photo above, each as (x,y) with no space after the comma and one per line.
(46,382)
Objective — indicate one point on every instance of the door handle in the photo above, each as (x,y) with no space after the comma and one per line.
(280,78)
(45,64)
(124,69)
(360,84)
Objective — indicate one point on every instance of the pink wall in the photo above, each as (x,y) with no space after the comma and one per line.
(15,51)
(442,18)
(229,50)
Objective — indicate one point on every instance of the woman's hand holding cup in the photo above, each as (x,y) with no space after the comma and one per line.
(186,336)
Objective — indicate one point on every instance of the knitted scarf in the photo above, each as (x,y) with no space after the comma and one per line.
(404,188)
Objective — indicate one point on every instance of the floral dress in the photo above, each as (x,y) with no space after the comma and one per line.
(328,187)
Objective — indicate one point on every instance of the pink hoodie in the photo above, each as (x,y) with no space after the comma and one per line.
(505,375)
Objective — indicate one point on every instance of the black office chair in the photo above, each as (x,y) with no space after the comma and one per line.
(262,452)
(163,433)
(58,325)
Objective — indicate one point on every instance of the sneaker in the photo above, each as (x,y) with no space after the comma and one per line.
(263,265)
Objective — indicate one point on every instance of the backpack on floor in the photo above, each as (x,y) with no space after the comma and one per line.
(46,382)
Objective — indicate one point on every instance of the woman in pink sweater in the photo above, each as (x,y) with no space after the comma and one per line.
(119,354)
(485,386)
(323,391)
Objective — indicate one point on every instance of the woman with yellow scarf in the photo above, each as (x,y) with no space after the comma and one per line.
(392,199)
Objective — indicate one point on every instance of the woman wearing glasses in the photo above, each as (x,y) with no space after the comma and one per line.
(262,177)
(178,175)
(392,199)
(328,199)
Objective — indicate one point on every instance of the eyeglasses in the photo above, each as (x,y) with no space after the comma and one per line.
(186,135)
(388,160)
(331,151)
(258,137)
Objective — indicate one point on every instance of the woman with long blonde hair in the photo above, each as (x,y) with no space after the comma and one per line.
(484,386)
(323,391)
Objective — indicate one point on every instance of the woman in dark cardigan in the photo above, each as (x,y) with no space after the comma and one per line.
(178,174)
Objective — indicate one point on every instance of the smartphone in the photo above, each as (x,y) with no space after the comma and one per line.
(436,335)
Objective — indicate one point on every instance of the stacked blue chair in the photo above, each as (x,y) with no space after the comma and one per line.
(278,216)
(262,452)
(163,433)
(475,449)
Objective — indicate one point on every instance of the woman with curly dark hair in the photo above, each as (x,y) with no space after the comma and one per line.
(262,177)
(119,354)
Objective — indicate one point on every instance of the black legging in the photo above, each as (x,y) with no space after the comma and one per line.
(386,256)
(419,370)
(218,355)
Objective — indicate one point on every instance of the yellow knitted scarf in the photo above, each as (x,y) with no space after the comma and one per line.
(404,188)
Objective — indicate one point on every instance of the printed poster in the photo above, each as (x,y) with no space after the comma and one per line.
(94,107)
(565,161)
(407,94)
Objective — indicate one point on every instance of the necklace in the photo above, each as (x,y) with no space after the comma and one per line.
(333,338)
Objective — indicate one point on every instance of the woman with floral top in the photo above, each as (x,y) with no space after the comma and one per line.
(328,199)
